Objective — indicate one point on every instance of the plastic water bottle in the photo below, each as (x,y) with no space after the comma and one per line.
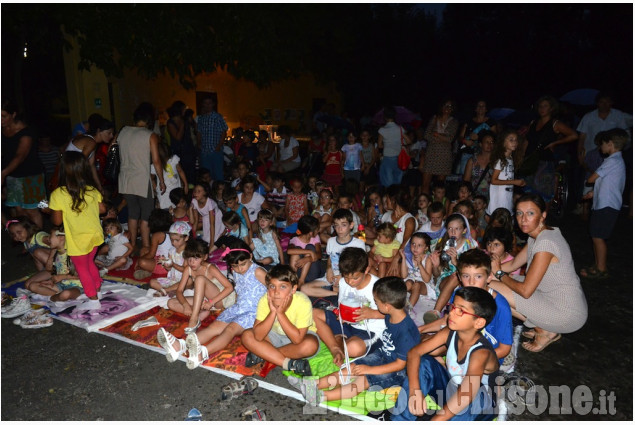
(377,219)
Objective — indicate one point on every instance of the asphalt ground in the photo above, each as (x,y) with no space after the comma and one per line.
(65,373)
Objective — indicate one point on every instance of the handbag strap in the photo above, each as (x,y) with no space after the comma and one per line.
(480,180)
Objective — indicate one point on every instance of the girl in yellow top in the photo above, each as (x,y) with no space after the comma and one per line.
(77,204)
(385,248)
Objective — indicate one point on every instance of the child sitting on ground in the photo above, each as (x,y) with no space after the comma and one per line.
(501,217)
(230,197)
(305,251)
(474,269)
(277,197)
(180,211)
(250,287)
(115,254)
(147,265)
(385,249)
(173,263)
(324,213)
(284,332)
(480,205)
(207,295)
(234,229)
(23,230)
(498,243)
(460,388)
(382,368)
(416,268)
(466,208)
(421,213)
(266,242)
(464,193)
(356,283)
(343,223)
(438,195)
(62,284)
(435,228)
(345,201)
(296,204)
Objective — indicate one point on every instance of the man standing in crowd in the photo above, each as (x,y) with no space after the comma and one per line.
(213,130)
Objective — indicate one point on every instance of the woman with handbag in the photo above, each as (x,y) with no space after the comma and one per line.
(440,134)
(391,139)
(477,170)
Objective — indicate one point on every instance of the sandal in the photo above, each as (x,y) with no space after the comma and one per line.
(534,347)
(166,341)
(588,271)
(595,274)
(152,321)
(529,333)
(236,389)
(195,349)
(193,329)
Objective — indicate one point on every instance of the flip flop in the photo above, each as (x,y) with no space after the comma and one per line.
(588,271)
(535,348)
(193,329)
(152,321)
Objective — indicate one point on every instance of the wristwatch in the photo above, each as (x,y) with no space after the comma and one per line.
(499,274)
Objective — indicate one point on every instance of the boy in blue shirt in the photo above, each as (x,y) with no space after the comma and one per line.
(382,368)
(474,269)
(608,180)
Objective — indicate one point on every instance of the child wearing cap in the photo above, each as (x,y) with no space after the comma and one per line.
(179,234)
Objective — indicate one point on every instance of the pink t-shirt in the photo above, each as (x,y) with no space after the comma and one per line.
(297,242)
(507,260)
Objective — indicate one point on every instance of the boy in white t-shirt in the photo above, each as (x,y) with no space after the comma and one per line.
(357,282)
(343,224)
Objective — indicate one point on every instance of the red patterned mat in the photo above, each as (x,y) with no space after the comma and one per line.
(231,358)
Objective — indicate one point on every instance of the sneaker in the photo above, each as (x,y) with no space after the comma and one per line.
(103,272)
(508,363)
(141,274)
(28,316)
(295,382)
(300,366)
(89,305)
(18,307)
(252,360)
(431,316)
(36,322)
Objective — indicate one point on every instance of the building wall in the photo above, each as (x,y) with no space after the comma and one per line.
(240,102)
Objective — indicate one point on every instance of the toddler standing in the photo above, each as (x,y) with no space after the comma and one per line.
(501,189)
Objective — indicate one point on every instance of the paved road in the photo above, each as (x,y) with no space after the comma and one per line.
(65,373)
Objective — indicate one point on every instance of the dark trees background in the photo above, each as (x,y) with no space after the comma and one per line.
(509,54)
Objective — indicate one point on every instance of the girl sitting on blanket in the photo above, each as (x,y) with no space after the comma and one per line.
(211,287)
(250,287)
(23,230)
(179,234)
(62,284)
(160,244)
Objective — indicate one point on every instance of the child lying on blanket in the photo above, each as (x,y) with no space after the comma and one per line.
(284,332)
(63,284)
(382,368)
(179,235)
(211,287)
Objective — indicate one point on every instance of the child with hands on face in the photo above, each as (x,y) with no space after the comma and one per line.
(284,332)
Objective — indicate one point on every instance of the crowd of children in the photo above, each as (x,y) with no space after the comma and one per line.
(341,251)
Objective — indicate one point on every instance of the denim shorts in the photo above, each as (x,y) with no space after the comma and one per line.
(386,380)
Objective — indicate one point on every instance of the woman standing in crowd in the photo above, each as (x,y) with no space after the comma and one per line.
(440,133)
(477,170)
(468,135)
